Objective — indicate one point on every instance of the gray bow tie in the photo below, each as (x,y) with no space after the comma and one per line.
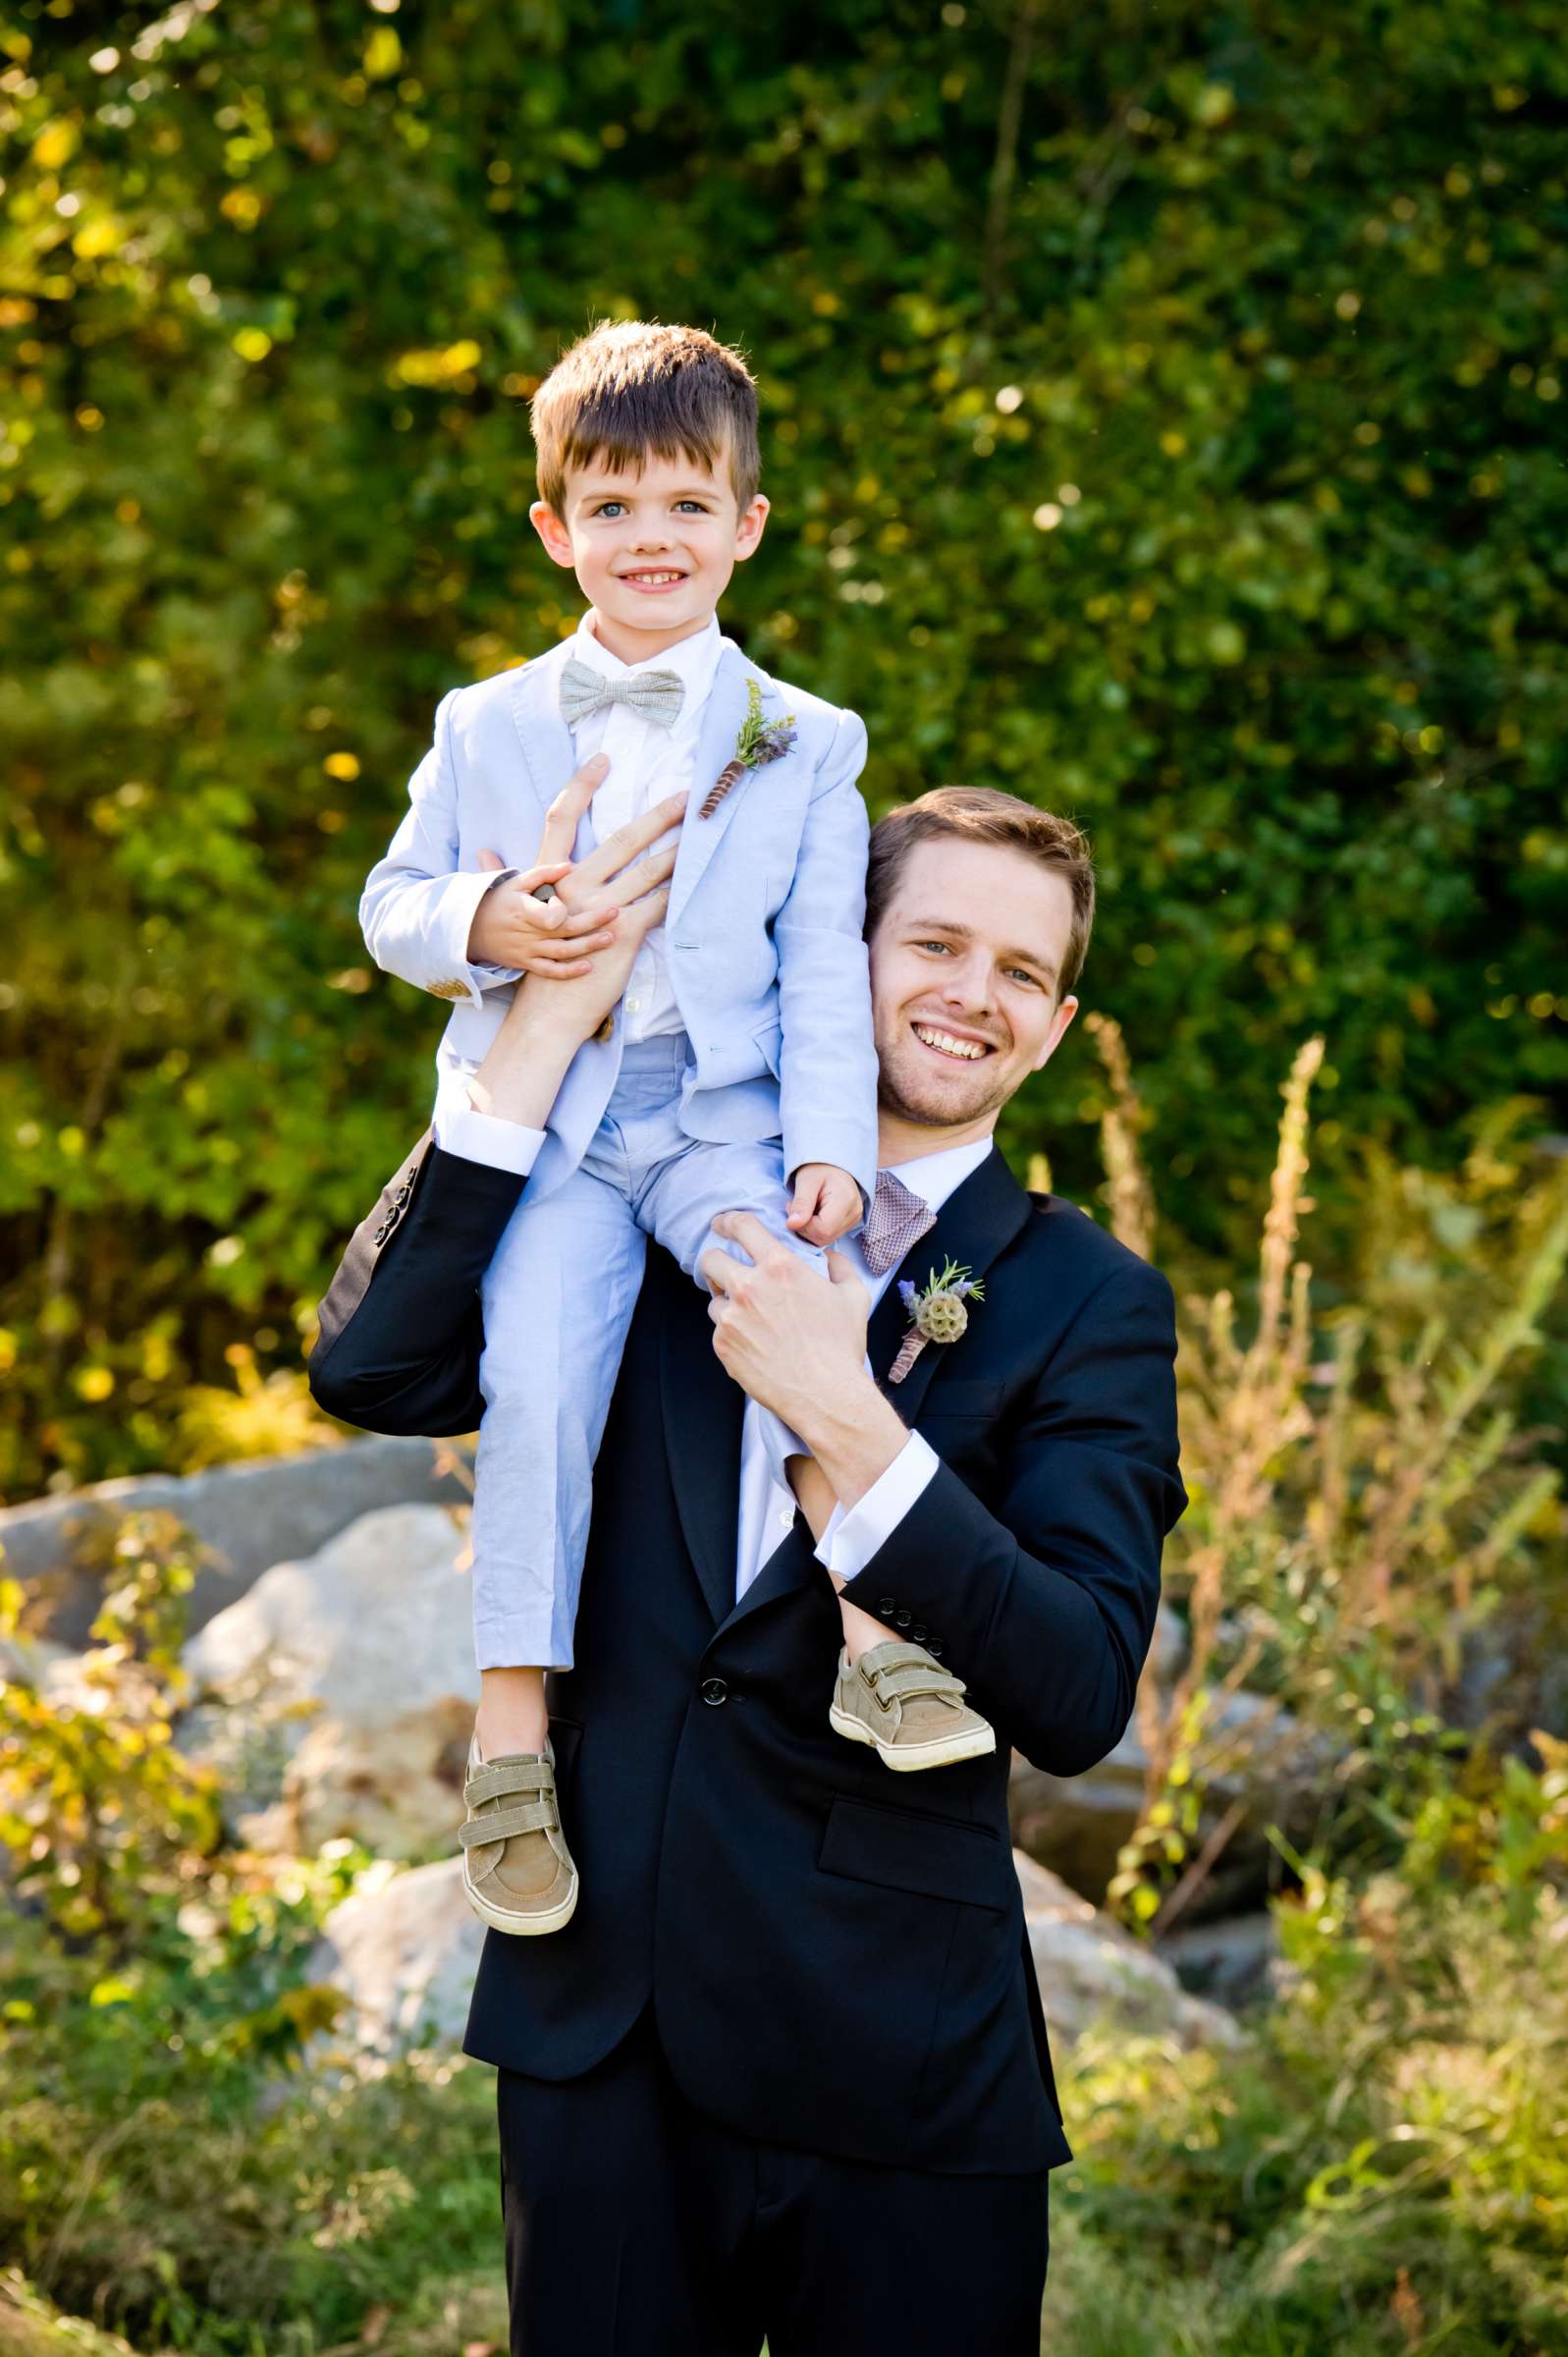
(654,695)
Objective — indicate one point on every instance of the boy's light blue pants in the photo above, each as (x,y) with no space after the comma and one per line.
(557,1301)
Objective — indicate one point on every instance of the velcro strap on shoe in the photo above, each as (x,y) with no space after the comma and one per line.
(509,1775)
(907,1682)
(909,1670)
(535,1817)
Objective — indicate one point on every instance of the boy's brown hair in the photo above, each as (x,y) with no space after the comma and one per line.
(981,814)
(635,387)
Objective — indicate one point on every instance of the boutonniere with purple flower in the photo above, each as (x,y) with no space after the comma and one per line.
(937,1312)
(759,741)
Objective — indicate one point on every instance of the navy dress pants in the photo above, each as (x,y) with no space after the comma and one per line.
(638,2228)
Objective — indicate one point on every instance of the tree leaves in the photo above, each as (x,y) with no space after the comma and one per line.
(1229,511)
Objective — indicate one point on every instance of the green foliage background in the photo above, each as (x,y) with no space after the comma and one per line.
(1163,419)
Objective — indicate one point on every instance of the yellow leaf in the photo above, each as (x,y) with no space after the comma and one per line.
(95,237)
(55,144)
(383,53)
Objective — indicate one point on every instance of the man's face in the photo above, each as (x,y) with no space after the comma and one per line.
(965,964)
(653,550)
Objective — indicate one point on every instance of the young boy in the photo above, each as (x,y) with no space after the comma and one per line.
(738,1071)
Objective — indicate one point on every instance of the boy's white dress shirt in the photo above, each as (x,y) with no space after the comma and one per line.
(767,1508)
(646,763)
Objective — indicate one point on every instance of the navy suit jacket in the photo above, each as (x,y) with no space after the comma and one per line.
(836,1955)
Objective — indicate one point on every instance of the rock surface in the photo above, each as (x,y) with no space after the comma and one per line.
(406,1947)
(1090,1969)
(248,1515)
(33,2327)
(1235,1962)
(1076,1824)
(339,1692)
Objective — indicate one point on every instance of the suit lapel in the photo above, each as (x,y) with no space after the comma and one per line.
(703,1412)
(545,738)
(974,1227)
(701,836)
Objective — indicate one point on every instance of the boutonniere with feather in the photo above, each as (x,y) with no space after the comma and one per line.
(759,741)
(937,1312)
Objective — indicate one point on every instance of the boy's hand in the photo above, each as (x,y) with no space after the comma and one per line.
(824,1205)
(513,927)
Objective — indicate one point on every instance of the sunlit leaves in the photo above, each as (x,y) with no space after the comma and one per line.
(1232,518)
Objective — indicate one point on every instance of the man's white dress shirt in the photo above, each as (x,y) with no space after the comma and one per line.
(850,1540)
(767,1508)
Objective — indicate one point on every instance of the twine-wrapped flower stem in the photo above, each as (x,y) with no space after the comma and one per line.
(759,741)
(938,1313)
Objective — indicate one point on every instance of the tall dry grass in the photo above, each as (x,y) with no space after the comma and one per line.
(1364,1495)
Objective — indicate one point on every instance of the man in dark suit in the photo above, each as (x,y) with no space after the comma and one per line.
(785,2071)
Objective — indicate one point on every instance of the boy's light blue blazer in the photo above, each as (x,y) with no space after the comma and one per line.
(763,938)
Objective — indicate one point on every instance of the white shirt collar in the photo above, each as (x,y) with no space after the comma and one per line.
(696,659)
(936,1177)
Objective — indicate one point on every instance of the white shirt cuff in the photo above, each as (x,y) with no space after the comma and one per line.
(475,1136)
(851,1539)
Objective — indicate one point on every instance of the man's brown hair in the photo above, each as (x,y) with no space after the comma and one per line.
(634,387)
(981,814)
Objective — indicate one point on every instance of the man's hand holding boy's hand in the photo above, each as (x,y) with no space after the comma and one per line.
(825,1204)
(513,927)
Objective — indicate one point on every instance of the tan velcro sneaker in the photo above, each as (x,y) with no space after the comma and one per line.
(908,1708)
(518,1873)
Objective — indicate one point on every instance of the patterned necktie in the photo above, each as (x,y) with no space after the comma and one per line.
(898,1220)
(654,695)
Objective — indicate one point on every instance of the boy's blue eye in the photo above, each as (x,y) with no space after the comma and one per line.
(606,504)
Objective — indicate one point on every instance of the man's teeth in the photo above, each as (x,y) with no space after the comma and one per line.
(948,1045)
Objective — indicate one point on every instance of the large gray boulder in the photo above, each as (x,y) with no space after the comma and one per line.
(404,1948)
(337,1697)
(246,1516)
(1091,1970)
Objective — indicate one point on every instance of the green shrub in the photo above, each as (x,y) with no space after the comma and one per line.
(1381,2166)
(1163,413)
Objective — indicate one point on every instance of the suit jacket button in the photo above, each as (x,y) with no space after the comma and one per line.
(715,1690)
(886,1604)
(934,1649)
(917,1636)
(902,1620)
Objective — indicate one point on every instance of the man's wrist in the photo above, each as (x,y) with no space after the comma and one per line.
(527,1059)
(854,1435)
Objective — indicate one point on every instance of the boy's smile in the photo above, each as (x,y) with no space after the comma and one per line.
(653,550)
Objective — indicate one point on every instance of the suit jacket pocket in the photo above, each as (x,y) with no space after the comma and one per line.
(937,1857)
